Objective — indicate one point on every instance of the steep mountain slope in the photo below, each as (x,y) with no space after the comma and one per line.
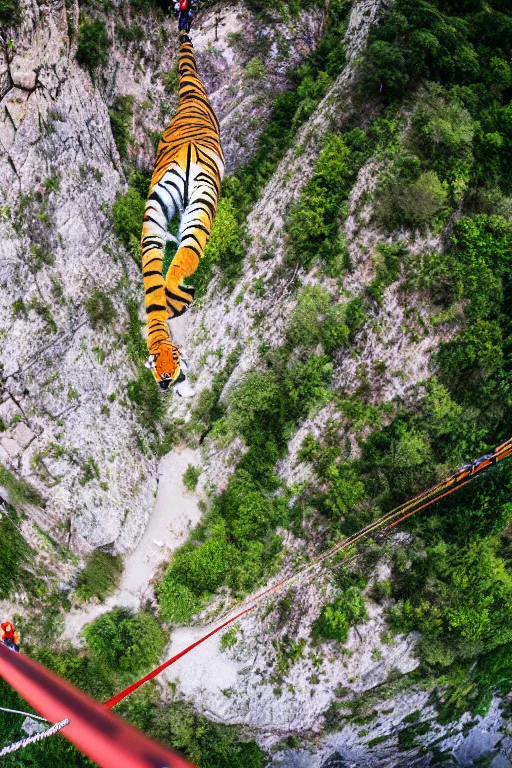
(349,345)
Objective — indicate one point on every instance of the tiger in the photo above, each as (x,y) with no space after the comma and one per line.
(186,180)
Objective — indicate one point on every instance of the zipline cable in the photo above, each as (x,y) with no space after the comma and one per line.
(449,485)
(33,739)
(28,714)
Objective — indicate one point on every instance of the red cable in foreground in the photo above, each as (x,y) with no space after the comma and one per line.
(99,734)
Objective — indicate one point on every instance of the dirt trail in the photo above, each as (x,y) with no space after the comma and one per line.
(174,514)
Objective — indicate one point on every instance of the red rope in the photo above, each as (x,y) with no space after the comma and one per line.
(466,476)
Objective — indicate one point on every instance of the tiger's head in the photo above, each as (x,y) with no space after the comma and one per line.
(165,365)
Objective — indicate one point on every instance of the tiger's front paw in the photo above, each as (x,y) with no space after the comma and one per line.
(179,298)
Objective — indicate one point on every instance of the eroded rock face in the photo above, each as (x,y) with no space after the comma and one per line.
(68,428)
(68,425)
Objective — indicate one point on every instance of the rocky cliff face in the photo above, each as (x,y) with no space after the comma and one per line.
(68,425)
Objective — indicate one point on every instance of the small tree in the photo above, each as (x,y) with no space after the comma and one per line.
(92,43)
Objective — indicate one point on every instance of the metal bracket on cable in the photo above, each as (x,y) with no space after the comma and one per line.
(33,739)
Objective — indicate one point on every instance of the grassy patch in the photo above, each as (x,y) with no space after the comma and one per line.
(93,43)
(20,492)
(100,309)
(100,576)
(190,477)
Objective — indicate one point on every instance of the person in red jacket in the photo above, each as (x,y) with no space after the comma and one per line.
(9,636)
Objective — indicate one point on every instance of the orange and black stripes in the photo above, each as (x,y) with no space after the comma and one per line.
(186,180)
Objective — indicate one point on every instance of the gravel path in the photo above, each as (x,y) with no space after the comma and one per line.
(175,513)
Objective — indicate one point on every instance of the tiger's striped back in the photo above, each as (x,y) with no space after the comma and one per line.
(187,179)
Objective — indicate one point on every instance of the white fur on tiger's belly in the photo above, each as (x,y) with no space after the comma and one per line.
(184,388)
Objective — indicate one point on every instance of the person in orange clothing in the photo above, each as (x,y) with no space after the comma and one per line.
(9,636)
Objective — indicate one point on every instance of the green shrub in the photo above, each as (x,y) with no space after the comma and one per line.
(470,607)
(355,315)
(224,250)
(14,554)
(255,70)
(336,618)
(100,576)
(190,477)
(304,326)
(10,13)
(313,221)
(147,399)
(229,638)
(20,492)
(415,41)
(92,43)
(194,574)
(411,204)
(442,133)
(100,309)
(130,643)
(120,121)
(127,213)
(177,602)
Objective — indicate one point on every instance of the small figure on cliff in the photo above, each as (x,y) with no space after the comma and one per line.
(185,10)
(9,636)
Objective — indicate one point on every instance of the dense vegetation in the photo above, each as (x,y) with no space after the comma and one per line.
(15,554)
(100,576)
(453,583)
(92,43)
(236,544)
(10,13)
(446,168)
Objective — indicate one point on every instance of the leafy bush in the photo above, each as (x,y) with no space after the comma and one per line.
(92,43)
(130,643)
(442,133)
(120,121)
(467,605)
(10,13)
(387,261)
(100,309)
(417,40)
(224,250)
(127,213)
(336,618)
(355,315)
(194,574)
(411,204)
(229,638)
(191,476)
(313,221)
(315,320)
(177,602)
(100,576)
